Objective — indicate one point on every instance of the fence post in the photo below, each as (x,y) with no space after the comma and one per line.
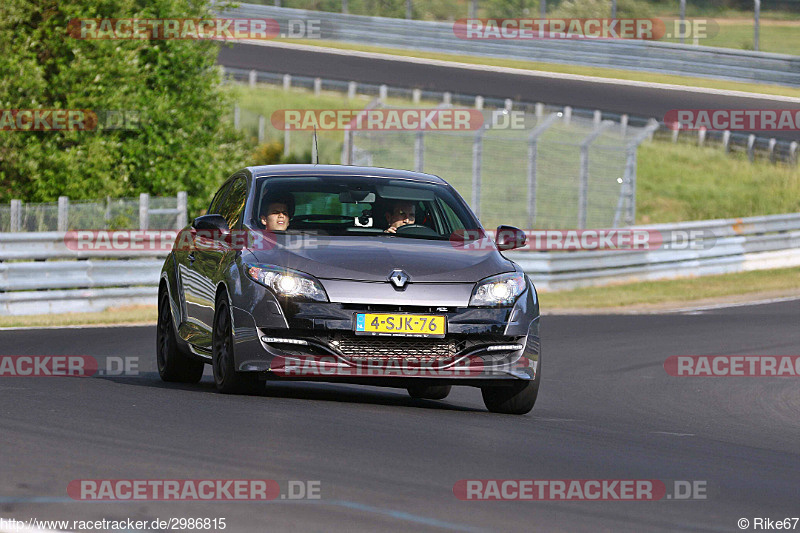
(567,114)
(419,151)
(701,136)
(16,215)
(751,147)
(237,115)
(287,82)
(252,78)
(772,149)
(287,141)
(347,147)
(539,110)
(623,125)
(597,117)
(479,102)
(447,98)
(793,152)
(508,104)
(317,86)
(183,218)
(383,92)
(416,95)
(583,186)
(351,90)
(726,140)
(63,213)
(144,211)
(676,128)
(261,128)
(477,154)
(533,152)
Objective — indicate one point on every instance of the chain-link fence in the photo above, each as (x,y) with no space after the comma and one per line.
(560,171)
(118,213)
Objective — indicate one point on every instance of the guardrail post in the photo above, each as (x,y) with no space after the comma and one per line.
(317,86)
(793,152)
(419,151)
(262,123)
(351,90)
(623,125)
(597,117)
(701,136)
(751,147)
(447,98)
(772,149)
(16,215)
(583,186)
(182,218)
(676,129)
(252,78)
(567,114)
(383,92)
(726,140)
(479,102)
(477,155)
(144,211)
(533,152)
(538,110)
(63,213)
(508,104)
(237,115)
(287,82)
(287,141)
(416,95)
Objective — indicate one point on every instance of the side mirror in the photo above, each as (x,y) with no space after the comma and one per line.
(215,223)
(509,238)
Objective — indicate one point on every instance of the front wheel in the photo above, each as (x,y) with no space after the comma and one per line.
(517,399)
(226,378)
(174,363)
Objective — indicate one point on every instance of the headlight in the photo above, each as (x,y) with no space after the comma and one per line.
(500,290)
(288,282)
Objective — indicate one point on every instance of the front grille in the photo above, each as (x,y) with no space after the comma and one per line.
(363,348)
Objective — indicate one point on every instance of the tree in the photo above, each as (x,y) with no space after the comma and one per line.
(181,142)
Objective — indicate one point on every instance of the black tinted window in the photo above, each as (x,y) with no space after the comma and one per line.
(233,201)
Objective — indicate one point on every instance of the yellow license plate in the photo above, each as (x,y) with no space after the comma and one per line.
(400,324)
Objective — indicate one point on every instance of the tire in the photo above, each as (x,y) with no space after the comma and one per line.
(173,362)
(518,399)
(226,378)
(429,392)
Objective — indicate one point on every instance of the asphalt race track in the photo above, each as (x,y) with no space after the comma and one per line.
(637,101)
(607,410)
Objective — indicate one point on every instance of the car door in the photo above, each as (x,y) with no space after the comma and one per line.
(210,258)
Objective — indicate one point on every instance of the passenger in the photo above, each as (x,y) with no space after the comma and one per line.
(277,211)
(400,213)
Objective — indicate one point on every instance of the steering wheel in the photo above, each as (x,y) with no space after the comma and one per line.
(416,229)
(311,218)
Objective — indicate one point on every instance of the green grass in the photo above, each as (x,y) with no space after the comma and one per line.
(138,314)
(778,37)
(569,69)
(680,291)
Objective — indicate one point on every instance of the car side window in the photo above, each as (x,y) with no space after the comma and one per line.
(232,203)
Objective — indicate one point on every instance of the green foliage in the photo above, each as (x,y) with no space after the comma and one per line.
(182,143)
(602,9)
(510,8)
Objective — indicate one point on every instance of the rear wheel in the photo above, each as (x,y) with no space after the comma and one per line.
(429,392)
(174,363)
(226,378)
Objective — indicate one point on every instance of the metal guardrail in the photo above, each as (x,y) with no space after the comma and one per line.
(71,284)
(645,56)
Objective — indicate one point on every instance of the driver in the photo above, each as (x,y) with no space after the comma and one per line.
(276,212)
(400,213)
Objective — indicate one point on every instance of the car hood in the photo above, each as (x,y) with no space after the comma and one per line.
(373,258)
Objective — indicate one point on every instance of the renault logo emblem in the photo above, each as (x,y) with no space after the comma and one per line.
(398,278)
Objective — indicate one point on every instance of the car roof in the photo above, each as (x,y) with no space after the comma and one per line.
(342,170)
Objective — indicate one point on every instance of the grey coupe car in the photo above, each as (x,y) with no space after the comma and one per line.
(348,274)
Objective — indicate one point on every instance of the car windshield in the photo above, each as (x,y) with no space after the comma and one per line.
(353,205)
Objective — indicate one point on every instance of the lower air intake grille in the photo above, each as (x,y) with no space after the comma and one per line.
(362,348)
